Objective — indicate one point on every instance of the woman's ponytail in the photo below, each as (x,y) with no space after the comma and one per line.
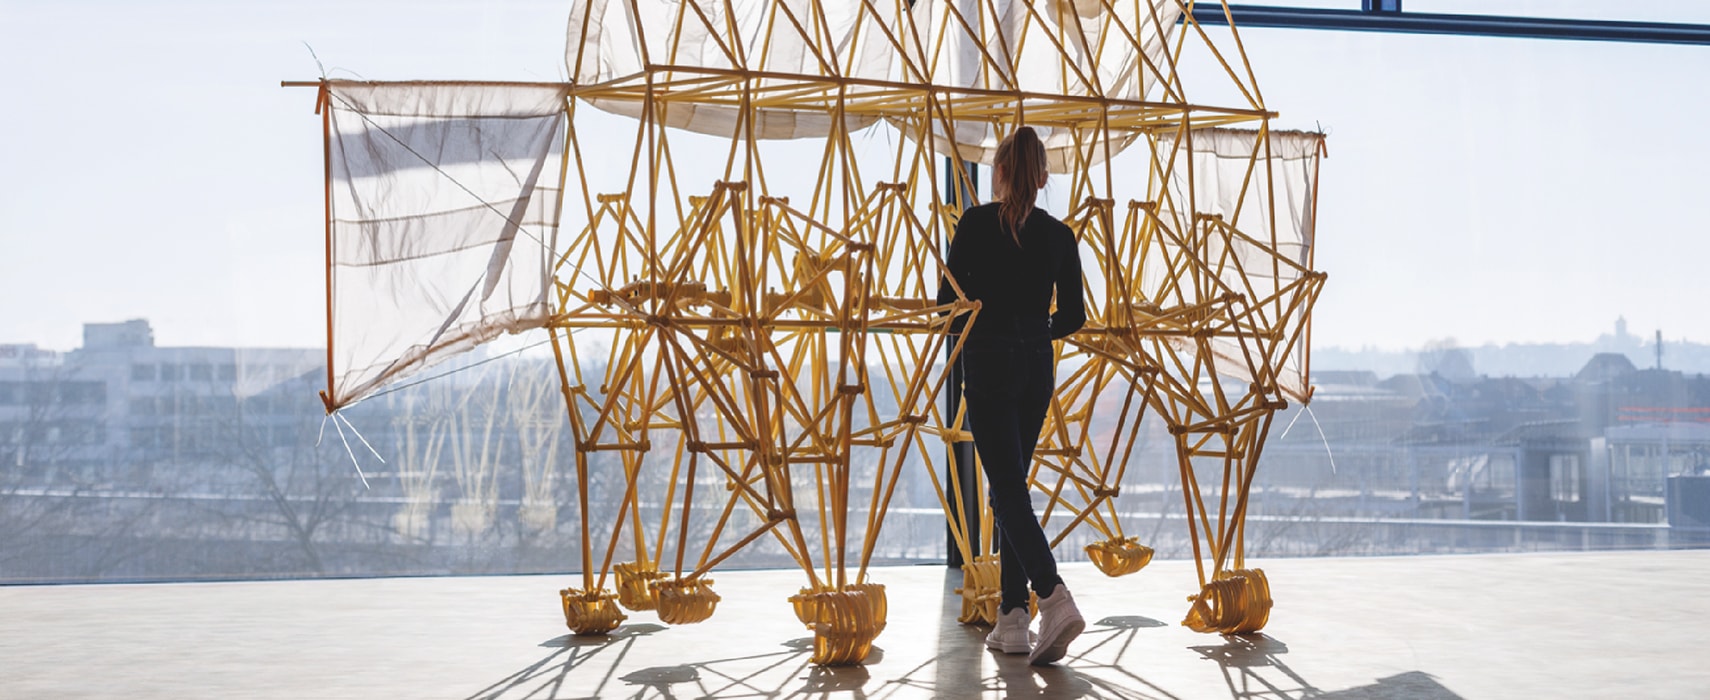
(1021,161)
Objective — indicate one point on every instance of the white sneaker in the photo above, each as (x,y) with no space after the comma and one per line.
(1010,635)
(1059,623)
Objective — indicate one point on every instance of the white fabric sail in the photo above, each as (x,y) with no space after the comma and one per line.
(444,204)
(445,197)
(1057,48)
(992,46)
(1228,172)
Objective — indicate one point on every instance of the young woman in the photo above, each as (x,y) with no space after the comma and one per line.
(1012,257)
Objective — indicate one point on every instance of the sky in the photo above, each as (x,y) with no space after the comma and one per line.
(1481,190)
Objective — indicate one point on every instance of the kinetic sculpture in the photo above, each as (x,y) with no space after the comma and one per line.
(740,284)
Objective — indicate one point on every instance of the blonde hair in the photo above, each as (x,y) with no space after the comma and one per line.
(1016,171)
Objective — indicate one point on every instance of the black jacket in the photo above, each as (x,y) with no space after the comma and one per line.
(1014,285)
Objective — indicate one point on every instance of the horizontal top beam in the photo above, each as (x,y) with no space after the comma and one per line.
(1397,21)
(849,97)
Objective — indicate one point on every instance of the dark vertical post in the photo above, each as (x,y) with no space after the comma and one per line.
(1387,16)
(960,465)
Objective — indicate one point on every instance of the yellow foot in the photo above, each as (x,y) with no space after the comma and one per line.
(683,602)
(1119,556)
(1236,602)
(806,604)
(590,612)
(981,592)
(844,622)
(633,579)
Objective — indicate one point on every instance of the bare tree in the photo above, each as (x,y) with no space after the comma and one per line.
(60,515)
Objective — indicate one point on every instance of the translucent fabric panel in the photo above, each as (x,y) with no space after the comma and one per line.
(444,211)
(1054,48)
(1049,48)
(1264,186)
(614,40)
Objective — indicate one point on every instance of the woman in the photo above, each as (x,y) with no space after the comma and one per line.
(1011,257)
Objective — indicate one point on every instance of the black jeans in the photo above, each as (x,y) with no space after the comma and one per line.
(1008,382)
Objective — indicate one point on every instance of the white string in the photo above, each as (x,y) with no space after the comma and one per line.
(1322,437)
(323,432)
(352,454)
(358,434)
(1307,409)
(1290,425)
(448,373)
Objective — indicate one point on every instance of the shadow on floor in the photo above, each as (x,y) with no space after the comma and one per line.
(546,677)
(1413,685)
(1101,667)
(1251,669)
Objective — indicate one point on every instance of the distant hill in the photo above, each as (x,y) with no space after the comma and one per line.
(1517,359)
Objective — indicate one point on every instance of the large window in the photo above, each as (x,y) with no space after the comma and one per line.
(1512,326)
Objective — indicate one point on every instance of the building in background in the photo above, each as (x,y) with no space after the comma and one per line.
(112,410)
(122,458)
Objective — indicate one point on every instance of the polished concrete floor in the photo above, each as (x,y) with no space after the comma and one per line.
(1598,625)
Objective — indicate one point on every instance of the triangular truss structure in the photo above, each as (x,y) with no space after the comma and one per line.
(740,283)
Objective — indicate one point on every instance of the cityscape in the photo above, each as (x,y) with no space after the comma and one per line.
(126,460)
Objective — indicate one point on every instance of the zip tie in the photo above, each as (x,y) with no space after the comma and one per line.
(348,451)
